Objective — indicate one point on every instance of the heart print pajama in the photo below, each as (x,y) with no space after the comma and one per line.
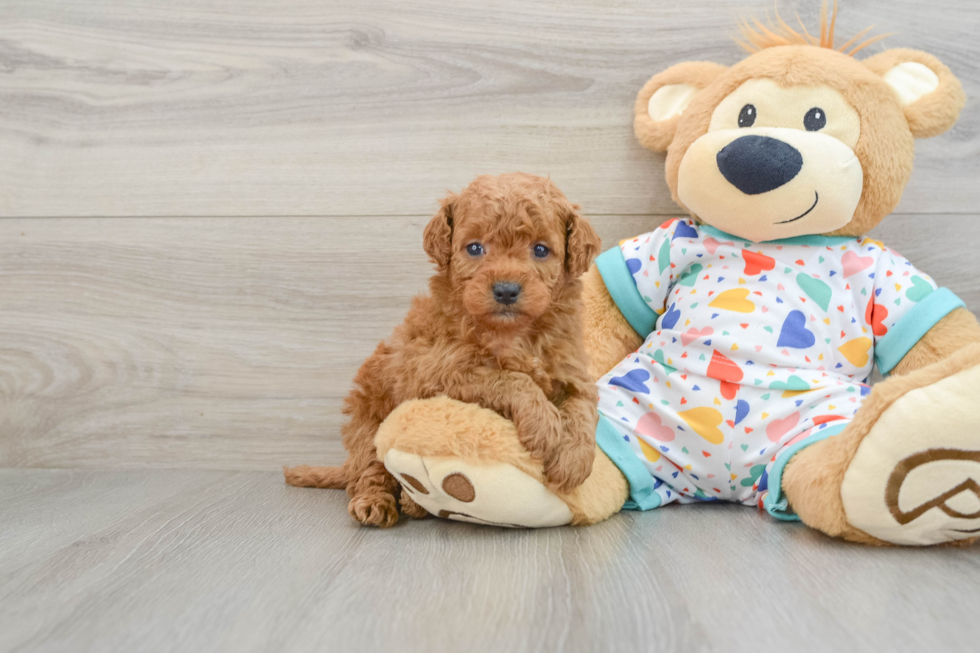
(752,352)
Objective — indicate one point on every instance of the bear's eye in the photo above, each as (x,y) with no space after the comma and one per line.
(746,117)
(815,119)
(474,249)
(541,251)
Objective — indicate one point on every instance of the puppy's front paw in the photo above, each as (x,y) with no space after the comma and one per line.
(569,466)
(539,429)
(374,509)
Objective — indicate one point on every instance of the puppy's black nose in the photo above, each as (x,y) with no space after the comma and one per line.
(506,293)
(758,164)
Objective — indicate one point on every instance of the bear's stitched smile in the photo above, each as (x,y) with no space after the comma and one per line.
(816,198)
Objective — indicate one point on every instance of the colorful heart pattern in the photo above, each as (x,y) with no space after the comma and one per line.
(851,263)
(669,318)
(693,334)
(690,277)
(757,345)
(875,315)
(704,421)
(756,263)
(856,351)
(919,289)
(794,333)
(777,428)
(815,289)
(634,380)
(649,452)
(651,426)
(734,300)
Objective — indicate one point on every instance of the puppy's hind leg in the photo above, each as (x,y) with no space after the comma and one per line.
(372,490)
(373,500)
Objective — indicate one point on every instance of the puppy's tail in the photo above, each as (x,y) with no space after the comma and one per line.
(324,477)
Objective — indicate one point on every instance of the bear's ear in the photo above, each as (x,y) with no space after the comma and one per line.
(663,99)
(930,95)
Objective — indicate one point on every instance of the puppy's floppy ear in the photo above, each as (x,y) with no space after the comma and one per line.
(929,93)
(581,241)
(437,239)
(664,97)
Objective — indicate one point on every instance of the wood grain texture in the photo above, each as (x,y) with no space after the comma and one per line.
(156,561)
(254,177)
(228,343)
(367,107)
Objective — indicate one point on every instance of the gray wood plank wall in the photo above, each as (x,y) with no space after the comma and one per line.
(210,211)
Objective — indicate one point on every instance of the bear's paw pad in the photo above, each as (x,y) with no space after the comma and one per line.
(915,478)
(495,494)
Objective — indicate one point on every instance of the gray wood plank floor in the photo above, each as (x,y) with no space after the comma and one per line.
(207,561)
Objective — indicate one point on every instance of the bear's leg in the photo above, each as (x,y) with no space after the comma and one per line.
(464,462)
(906,470)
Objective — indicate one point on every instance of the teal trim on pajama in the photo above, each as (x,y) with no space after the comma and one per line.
(775,503)
(642,496)
(891,349)
(813,240)
(622,288)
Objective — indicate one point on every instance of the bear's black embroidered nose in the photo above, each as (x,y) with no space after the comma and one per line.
(758,164)
(506,293)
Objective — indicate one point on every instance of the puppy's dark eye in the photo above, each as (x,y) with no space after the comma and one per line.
(540,251)
(474,249)
(815,119)
(746,117)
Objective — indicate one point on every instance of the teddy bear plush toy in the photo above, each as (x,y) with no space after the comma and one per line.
(732,349)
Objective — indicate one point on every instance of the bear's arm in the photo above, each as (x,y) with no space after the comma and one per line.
(956,330)
(609,338)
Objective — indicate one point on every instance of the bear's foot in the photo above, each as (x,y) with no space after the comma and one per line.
(496,494)
(906,470)
(460,461)
(915,479)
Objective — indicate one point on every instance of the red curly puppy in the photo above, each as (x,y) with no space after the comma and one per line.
(502,328)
